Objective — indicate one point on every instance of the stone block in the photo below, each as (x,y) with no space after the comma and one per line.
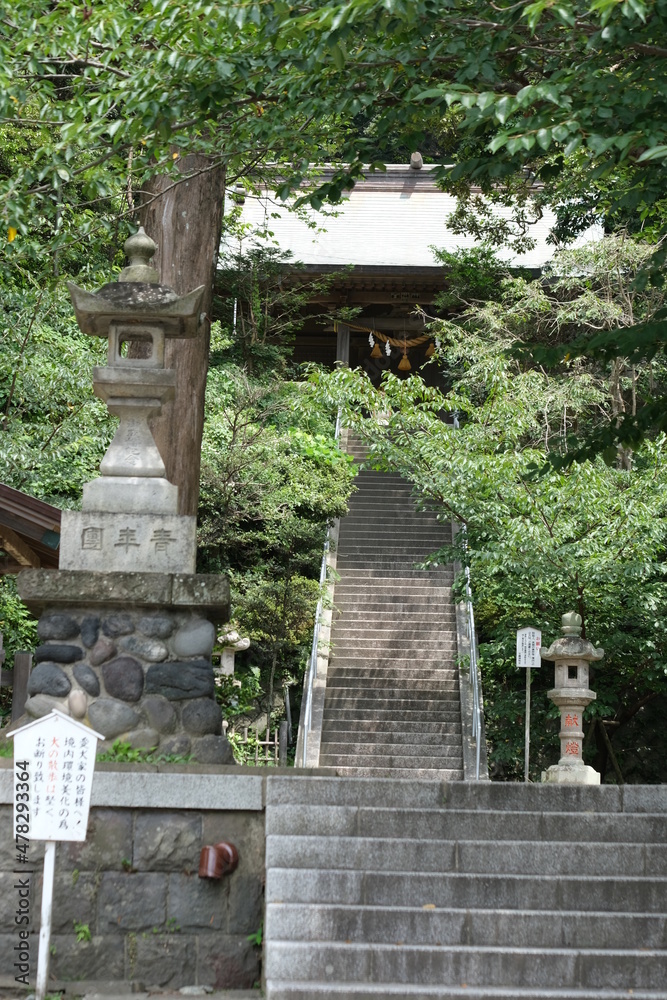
(111,718)
(202,716)
(228,961)
(41,704)
(131,901)
(167,841)
(180,680)
(176,746)
(246,903)
(197,904)
(98,540)
(103,650)
(90,630)
(48,678)
(148,649)
(195,638)
(142,738)
(57,626)
(74,901)
(108,843)
(101,958)
(159,712)
(118,624)
(87,678)
(206,591)
(45,588)
(58,652)
(146,495)
(123,678)
(158,626)
(166,959)
(213,750)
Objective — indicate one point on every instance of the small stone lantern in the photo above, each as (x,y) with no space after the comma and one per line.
(571,655)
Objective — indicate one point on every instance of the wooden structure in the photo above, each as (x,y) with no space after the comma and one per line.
(29,532)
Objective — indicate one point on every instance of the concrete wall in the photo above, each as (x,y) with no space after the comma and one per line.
(134,884)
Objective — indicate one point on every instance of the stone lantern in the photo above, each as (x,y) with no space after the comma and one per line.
(126,626)
(571,655)
(129,517)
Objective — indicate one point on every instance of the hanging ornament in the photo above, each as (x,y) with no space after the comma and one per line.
(430,350)
(387,349)
(376,352)
(404,364)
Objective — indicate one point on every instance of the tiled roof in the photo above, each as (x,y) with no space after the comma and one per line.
(388,219)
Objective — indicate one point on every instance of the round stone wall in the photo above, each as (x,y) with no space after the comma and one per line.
(142,676)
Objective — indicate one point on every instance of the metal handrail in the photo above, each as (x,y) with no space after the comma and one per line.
(474,663)
(307,714)
(474,676)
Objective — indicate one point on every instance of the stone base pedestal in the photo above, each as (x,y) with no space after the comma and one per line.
(130,655)
(571,774)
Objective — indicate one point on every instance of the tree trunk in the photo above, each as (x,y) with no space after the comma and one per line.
(185,221)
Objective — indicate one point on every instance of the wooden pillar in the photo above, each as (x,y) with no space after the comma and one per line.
(343,343)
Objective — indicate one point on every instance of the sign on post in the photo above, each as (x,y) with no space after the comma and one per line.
(54,763)
(528,643)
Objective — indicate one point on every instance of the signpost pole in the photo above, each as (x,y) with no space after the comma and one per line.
(527,745)
(45,925)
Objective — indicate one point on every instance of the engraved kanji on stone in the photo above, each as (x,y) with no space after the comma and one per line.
(162,538)
(572,748)
(127,538)
(571,720)
(91,538)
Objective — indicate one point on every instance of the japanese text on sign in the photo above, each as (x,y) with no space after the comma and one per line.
(61,754)
(528,642)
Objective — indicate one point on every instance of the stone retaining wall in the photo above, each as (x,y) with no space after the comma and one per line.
(133,886)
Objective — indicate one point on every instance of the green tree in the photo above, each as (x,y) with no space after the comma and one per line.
(589,537)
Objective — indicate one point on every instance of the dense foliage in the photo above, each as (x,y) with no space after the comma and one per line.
(589,537)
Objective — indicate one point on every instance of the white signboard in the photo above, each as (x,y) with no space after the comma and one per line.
(528,642)
(55,758)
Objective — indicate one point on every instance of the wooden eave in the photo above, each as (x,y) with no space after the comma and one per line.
(29,531)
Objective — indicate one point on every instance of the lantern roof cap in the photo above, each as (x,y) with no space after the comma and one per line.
(570,644)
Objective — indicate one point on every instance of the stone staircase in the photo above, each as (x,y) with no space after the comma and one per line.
(382,888)
(391,705)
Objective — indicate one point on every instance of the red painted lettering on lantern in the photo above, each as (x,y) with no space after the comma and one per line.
(571,720)
(572,748)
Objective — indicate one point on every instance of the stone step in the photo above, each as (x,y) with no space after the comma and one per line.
(432,661)
(393,638)
(514,928)
(414,774)
(341,738)
(310,990)
(450,749)
(396,607)
(393,762)
(472,891)
(342,730)
(520,858)
(360,644)
(383,717)
(464,825)
(398,673)
(475,796)
(432,965)
(445,615)
(446,701)
(425,685)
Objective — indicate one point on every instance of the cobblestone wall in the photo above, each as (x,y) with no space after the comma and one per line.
(132,894)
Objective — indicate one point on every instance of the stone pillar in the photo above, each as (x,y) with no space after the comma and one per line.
(231,643)
(571,655)
(126,626)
